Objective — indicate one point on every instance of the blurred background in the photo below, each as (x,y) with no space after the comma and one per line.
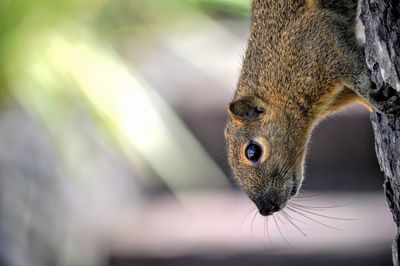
(112,149)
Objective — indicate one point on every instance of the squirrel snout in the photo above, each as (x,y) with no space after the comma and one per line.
(266,205)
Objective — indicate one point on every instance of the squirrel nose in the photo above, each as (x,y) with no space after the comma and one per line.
(267,207)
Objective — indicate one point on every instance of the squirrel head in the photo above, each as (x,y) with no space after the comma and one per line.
(266,148)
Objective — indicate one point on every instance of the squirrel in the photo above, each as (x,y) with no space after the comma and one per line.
(302,63)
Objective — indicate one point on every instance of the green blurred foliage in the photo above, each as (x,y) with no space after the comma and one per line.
(21,21)
(54,54)
(143,18)
(237,7)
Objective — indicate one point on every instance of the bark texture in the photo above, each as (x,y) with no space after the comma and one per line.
(381,19)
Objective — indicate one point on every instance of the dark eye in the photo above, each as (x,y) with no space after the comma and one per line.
(253,152)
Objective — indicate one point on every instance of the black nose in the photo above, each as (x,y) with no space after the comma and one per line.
(267,207)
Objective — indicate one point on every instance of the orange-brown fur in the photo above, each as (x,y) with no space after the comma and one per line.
(301,64)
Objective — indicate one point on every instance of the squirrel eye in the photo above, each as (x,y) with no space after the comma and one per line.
(253,152)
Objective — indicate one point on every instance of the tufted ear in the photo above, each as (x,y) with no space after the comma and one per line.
(247,108)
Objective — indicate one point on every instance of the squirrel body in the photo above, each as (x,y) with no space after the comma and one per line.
(302,63)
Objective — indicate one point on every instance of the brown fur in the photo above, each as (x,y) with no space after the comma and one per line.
(301,62)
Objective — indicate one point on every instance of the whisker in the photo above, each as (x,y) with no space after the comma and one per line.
(244,218)
(269,238)
(312,219)
(288,166)
(305,207)
(321,215)
(295,219)
(297,227)
(285,169)
(252,223)
(279,218)
(283,237)
(309,199)
(265,236)
(305,196)
(321,207)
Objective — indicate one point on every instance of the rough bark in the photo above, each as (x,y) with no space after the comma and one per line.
(381,19)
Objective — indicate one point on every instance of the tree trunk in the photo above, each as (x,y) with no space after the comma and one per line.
(381,19)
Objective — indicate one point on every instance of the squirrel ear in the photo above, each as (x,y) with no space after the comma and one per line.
(248,108)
